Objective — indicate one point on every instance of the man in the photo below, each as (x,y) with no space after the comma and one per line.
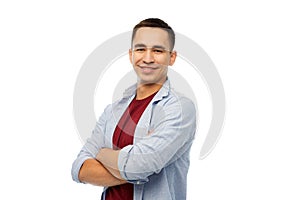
(140,146)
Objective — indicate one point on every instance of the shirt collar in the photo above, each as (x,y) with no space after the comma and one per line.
(164,91)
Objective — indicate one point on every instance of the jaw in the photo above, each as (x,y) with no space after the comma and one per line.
(151,76)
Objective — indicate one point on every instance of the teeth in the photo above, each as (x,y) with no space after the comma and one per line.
(146,67)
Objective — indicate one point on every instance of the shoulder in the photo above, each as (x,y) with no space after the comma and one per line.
(175,104)
(176,98)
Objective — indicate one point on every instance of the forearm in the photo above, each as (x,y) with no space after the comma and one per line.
(93,172)
(109,158)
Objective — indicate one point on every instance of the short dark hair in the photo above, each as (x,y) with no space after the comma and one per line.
(156,23)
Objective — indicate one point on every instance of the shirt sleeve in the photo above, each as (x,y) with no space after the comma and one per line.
(172,136)
(91,147)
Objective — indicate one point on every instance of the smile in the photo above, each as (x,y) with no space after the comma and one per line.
(148,69)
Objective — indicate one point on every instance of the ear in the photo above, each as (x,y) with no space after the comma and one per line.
(173,57)
(130,56)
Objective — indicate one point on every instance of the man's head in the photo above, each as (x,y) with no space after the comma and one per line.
(156,23)
(152,50)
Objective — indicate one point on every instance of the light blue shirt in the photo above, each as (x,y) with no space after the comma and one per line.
(157,163)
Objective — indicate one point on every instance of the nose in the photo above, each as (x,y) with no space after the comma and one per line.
(148,56)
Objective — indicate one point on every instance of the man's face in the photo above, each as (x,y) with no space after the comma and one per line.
(150,55)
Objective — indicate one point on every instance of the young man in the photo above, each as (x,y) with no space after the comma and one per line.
(140,146)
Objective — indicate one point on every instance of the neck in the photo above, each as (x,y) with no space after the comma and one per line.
(145,90)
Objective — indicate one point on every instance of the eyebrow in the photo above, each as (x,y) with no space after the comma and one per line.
(154,46)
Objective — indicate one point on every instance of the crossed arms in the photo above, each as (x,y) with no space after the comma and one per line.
(93,172)
(172,136)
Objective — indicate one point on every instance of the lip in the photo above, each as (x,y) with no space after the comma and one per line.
(148,69)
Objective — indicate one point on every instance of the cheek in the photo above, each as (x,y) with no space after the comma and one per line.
(163,61)
(163,70)
(135,60)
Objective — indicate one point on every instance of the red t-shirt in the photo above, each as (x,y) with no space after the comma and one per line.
(123,136)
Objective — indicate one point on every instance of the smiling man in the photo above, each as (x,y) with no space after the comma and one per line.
(140,146)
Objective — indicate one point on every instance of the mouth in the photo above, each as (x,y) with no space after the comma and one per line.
(148,69)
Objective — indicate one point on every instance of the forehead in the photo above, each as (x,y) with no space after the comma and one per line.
(151,37)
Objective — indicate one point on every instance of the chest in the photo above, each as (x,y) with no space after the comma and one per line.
(144,126)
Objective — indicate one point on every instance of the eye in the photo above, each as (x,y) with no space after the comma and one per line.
(158,50)
(140,50)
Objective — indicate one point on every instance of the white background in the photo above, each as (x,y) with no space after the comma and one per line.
(255,46)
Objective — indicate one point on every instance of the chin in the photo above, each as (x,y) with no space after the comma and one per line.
(149,79)
(148,82)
